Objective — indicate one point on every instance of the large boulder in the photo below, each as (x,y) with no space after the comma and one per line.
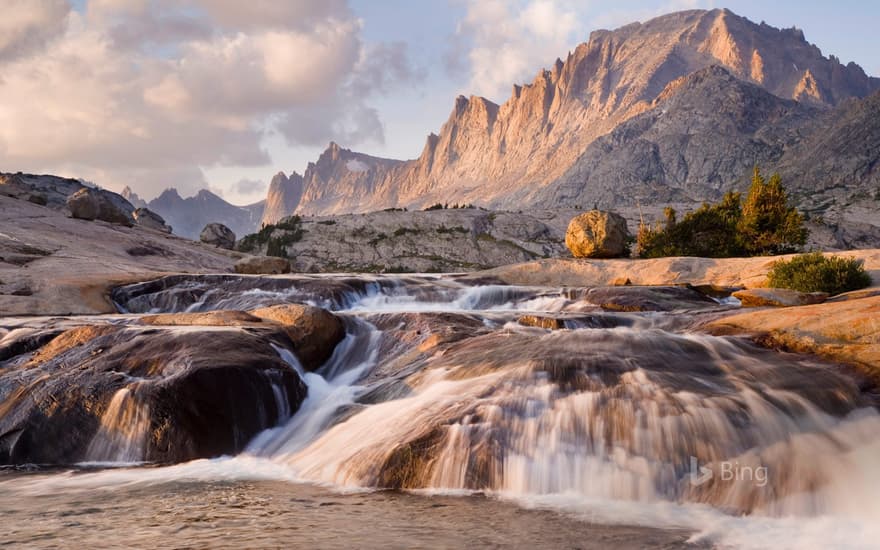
(778,297)
(157,394)
(315,332)
(218,235)
(95,204)
(597,234)
(145,217)
(262,265)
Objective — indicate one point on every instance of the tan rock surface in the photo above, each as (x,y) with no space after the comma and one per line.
(845,330)
(81,260)
(597,234)
(731,272)
(778,297)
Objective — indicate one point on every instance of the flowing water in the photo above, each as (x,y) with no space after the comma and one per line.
(625,429)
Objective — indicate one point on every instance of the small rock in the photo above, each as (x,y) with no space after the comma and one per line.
(38,198)
(218,235)
(597,234)
(621,281)
(540,321)
(262,265)
(778,297)
(145,217)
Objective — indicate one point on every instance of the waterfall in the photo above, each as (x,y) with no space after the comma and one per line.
(125,425)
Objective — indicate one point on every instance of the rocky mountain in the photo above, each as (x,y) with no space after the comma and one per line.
(495,155)
(190,215)
(283,198)
(133,198)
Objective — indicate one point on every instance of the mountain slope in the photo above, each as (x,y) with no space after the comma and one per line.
(190,215)
(487,153)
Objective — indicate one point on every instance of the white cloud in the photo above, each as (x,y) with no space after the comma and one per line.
(27,25)
(509,42)
(148,93)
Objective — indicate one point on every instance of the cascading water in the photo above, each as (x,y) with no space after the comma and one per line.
(122,437)
(437,387)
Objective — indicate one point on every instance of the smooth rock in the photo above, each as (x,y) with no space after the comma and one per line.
(315,332)
(597,234)
(778,297)
(218,235)
(145,217)
(262,265)
(648,298)
(110,393)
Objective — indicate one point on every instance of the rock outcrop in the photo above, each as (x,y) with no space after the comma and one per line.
(597,234)
(125,394)
(283,198)
(145,217)
(218,235)
(262,265)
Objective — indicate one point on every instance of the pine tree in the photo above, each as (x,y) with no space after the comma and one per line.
(768,224)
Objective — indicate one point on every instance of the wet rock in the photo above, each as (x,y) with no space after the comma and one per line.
(648,298)
(315,332)
(145,217)
(778,297)
(94,204)
(262,265)
(227,318)
(597,234)
(218,235)
(115,393)
(540,321)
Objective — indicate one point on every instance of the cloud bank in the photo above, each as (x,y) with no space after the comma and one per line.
(146,93)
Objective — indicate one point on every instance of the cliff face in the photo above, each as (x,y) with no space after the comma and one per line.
(490,154)
(283,197)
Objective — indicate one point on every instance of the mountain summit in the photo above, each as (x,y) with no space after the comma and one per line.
(490,154)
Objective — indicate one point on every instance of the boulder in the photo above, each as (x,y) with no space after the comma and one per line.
(262,265)
(145,217)
(597,234)
(778,297)
(315,332)
(648,298)
(218,235)
(95,204)
(112,393)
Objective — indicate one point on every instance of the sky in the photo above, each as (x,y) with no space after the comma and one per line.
(222,94)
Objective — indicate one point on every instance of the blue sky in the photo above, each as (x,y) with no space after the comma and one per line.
(159,93)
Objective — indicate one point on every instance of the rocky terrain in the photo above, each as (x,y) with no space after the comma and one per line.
(674,110)
(453,239)
(53,264)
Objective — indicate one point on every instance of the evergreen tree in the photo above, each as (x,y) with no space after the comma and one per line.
(768,224)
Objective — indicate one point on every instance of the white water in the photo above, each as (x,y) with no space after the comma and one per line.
(610,446)
(122,437)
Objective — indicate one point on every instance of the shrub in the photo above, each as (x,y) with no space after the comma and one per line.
(275,246)
(817,273)
(761,224)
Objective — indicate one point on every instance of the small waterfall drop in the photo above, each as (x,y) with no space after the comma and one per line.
(122,436)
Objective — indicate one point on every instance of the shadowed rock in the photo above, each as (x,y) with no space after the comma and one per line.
(115,393)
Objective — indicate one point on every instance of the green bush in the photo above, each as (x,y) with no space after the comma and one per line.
(275,245)
(817,273)
(761,224)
